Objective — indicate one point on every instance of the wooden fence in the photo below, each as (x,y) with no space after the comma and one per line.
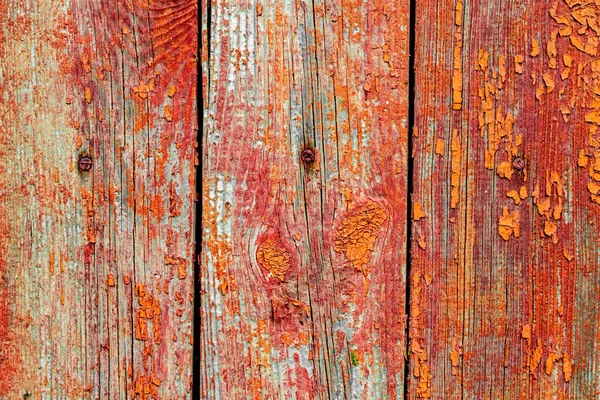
(293,199)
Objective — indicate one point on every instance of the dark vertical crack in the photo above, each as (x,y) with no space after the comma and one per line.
(410,186)
(196,376)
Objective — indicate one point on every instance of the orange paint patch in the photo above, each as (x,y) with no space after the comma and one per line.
(519,64)
(455,177)
(145,386)
(144,88)
(567,367)
(418,211)
(172,91)
(421,369)
(505,170)
(439,147)
(535,47)
(180,263)
(455,356)
(149,310)
(526,332)
(357,234)
(552,358)
(513,194)
(537,357)
(274,257)
(508,224)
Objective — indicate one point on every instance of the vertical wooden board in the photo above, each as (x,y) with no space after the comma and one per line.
(96,270)
(504,282)
(304,188)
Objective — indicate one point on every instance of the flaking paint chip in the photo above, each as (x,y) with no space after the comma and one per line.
(428,279)
(418,211)
(439,147)
(508,224)
(535,47)
(567,366)
(526,332)
(582,160)
(549,81)
(536,357)
(519,64)
(543,206)
(505,170)
(513,194)
(523,192)
(168,116)
(274,257)
(550,229)
(593,187)
(552,358)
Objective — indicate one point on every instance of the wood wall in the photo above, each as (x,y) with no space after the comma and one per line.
(274,199)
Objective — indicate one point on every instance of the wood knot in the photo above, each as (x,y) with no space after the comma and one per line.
(274,257)
(357,233)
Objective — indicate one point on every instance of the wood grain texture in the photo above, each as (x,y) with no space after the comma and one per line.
(303,263)
(96,267)
(504,284)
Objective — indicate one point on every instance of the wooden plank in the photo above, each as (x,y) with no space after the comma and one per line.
(305,189)
(505,261)
(96,265)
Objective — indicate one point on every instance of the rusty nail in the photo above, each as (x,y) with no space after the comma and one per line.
(85,163)
(308,156)
(518,163)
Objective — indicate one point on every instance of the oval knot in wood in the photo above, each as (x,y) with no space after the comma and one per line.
(357,233)
(274,257)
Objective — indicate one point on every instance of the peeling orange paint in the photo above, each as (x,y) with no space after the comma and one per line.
(439,147)
(536,357)
(421,369)
(357,233)
(274,257)
(535,47)
(457,83)
(418,213)
(567,367)
(508,224)
(456,159)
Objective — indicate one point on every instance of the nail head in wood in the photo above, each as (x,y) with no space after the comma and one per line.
(518,163)
(85,163)
(308,156)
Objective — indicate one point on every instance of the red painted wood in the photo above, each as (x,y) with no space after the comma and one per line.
(505,268)
(96,266)
(304,199)
(303,263)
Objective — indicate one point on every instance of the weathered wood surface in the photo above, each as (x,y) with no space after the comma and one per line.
(96,267)
(504,283)
(305,184)
(303,263)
